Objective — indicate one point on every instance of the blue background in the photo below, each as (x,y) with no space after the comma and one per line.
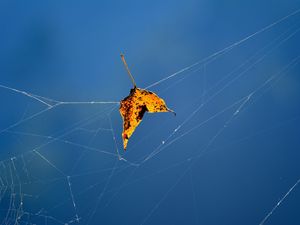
(229,168)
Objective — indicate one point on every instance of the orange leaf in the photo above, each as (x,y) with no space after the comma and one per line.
(134,106)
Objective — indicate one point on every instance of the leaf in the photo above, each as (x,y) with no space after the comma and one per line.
(134,106)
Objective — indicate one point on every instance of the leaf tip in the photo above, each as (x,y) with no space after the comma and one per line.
(172,111)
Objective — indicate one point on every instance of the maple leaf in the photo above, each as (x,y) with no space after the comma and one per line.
(134,106)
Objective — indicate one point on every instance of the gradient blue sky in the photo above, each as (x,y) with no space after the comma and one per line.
(230,161)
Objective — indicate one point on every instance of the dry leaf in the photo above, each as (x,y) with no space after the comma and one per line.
(133,108)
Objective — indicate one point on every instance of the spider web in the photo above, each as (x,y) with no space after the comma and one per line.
(79,174)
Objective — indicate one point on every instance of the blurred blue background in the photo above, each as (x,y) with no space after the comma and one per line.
(222,166)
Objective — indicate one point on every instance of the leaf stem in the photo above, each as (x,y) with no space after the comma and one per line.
(128,71)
